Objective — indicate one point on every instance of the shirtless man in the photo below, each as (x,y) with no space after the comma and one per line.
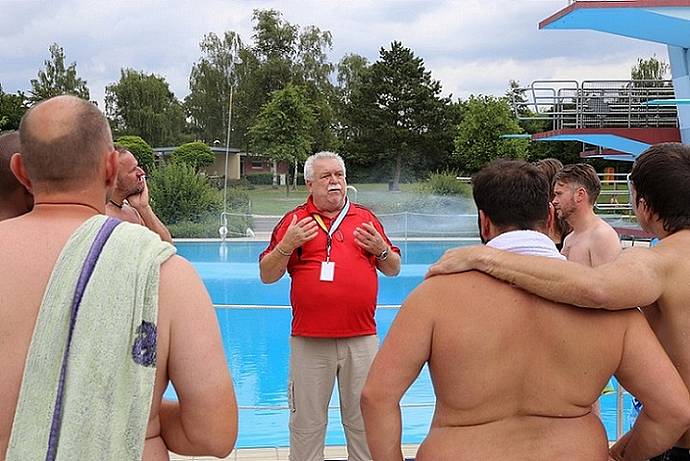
(15,200)
(655,277)
(592,241)
(129,200)
(515,375)
(68,162)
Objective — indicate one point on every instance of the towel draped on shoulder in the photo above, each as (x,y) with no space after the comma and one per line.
(102,406)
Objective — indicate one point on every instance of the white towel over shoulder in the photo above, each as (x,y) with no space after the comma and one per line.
(526,242)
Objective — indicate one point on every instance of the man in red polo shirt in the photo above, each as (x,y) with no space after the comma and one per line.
(331,248)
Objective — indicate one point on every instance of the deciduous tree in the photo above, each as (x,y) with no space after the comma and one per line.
(143,105)
(478,140)
(282,131)
(56,79)
(210,81)
(12,109)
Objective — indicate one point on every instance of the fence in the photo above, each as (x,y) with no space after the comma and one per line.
(596,103)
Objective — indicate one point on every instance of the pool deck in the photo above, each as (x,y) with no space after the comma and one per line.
(279,454)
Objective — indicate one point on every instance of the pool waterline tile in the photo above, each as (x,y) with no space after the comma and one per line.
(280,454)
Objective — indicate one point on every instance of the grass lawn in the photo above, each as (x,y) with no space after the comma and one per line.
(265,200)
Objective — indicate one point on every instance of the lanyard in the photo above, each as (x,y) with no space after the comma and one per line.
(334,227)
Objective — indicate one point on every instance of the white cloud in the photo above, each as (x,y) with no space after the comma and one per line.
(472,46)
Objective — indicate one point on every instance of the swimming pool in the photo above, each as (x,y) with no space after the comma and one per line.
(255,339)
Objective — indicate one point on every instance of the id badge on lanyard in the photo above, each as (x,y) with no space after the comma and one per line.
(328,266)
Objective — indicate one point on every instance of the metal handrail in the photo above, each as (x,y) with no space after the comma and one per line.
(596,103)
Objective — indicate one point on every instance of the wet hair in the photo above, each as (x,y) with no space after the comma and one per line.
(9,144)
(661,176)
(583,175)
(309,163)
(513,194)
(550,167)
(65,149)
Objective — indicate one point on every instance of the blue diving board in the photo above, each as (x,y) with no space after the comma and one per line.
(660,21)
(666,102)
(608,141)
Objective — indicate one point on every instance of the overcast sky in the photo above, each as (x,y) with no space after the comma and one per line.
(471,46)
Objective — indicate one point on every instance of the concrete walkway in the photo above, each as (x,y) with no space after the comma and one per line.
(279,454)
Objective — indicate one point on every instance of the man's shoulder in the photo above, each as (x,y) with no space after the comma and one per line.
(359,208)
(602,226)
(464,283)
(127,213)
(604,233)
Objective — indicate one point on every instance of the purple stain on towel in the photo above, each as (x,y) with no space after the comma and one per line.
(144,348)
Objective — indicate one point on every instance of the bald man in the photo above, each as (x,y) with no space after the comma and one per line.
(15,200)
(69,163)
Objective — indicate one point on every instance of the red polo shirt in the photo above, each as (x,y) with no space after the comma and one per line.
(341,308)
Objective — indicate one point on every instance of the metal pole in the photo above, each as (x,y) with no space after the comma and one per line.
(619,411)
(227,153)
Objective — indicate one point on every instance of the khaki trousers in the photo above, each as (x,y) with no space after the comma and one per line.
(315,363)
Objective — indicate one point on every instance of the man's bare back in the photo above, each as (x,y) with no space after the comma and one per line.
(69,188)
(514,375)
(28,269)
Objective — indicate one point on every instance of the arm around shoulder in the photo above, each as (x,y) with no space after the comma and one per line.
(646,371)
(204,422)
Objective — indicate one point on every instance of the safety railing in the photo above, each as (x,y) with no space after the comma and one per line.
(596,103)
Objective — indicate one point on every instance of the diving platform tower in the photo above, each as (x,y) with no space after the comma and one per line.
(620,118)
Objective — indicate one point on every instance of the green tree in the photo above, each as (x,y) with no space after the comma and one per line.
(350,75)
(282,131)
(478,140)
(282,53)
(312,70)
(141,150)
(210,82)
(12,109)
(143,105)
(398,113)
(649,69)
(57,79)
(196,154)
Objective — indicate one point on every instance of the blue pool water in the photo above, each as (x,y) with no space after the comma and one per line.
(256,340)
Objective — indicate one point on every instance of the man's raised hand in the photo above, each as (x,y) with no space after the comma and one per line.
(298,233)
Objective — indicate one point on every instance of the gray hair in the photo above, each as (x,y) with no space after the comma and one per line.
(309,163)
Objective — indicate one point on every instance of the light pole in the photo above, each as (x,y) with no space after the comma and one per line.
(234,59)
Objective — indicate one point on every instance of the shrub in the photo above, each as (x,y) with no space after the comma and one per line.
(180,194)
(237,199)
(195,154)
(141,150)
(446,183)
(260,179)
(208,227)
